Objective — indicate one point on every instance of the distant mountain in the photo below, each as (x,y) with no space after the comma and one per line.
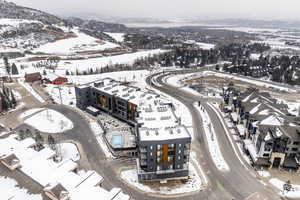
(13,11)
(26,28)
(275,24)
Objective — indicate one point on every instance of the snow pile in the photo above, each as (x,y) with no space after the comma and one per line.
(212,141)
(69,151)
(49,121)
(119,37)
(295,190)
(82,42)
(11,191)
(263,173)
(193,184)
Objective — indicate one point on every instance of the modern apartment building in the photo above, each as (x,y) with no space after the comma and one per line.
(163,142)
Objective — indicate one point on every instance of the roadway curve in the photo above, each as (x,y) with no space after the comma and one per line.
(239,183)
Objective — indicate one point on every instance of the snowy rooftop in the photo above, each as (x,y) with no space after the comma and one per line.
(42,169)
(155,112)
(131,94)
(167,133)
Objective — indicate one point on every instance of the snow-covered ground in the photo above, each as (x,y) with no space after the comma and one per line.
(212,140)
(205,46)
(86,64)
(193,184)
(177,81)
(16,22)
(11,191)
(293,107)
(30,112)
(82,42)
(119,37)
(62,94)
(69,151)
(263,173)
(49,121)
(293,194)
(248,80)
(28,87)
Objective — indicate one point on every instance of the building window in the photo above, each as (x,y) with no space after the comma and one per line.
(294,149)
(158,147)
(151,154)
(158,168)
(151,147)
(179,157)
(296,143)
(179,145)
(179,151)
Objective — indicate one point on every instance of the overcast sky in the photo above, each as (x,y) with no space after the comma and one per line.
(261,9)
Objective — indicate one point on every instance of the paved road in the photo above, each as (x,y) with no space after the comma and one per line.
(238,183)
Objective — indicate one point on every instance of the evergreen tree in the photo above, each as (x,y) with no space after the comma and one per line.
(6,65)
(14,69)
(67,73)
(13,100)
(44,72)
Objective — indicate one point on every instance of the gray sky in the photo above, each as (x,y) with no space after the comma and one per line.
(261,9)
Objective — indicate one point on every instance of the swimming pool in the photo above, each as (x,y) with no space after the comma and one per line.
(117,140)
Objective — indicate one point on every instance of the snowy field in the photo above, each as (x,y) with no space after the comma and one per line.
(87,64)
(11,191)
(119,37)
(48,121)
(82,42)
(193,184)
(205,46)
(62,94)
(212,141)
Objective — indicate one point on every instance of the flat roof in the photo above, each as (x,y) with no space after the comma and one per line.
(167,133)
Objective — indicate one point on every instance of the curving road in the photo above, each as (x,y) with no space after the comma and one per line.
(236,184)
(239,183)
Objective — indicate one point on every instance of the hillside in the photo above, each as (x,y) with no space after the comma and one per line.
(26,29)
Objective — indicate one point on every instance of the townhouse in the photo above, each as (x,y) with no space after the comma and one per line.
(270,134)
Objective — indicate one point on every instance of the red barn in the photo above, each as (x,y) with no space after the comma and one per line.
(59,80)
(55,79)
